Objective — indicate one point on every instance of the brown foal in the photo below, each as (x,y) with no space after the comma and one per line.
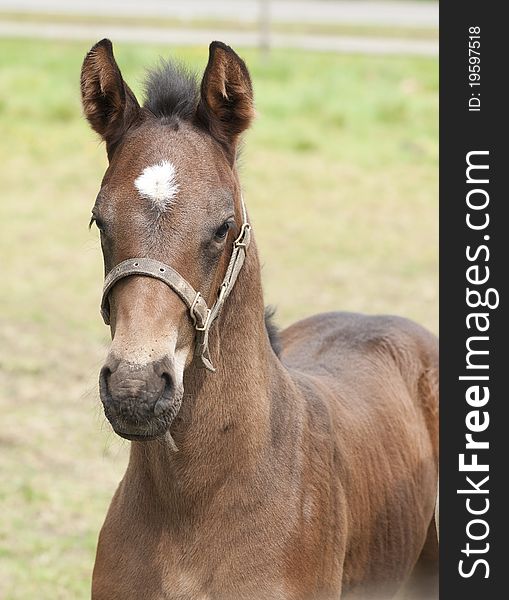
(304,467)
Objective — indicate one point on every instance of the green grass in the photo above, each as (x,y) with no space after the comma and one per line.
(222,24)
(340,177)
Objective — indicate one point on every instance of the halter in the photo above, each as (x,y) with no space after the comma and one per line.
(201,315)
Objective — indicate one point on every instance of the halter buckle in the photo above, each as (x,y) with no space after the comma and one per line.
(240,241)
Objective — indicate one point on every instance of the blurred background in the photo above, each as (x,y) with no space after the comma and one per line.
(340,178)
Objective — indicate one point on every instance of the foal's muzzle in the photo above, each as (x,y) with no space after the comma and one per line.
(140,401)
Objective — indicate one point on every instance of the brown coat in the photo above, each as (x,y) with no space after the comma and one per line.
(309,475)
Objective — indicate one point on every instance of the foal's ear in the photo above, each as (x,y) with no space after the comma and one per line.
(226,100)
(108,103)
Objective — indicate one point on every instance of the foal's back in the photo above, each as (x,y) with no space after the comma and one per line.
(376,379)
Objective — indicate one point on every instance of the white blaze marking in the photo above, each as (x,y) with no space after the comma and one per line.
(157,183)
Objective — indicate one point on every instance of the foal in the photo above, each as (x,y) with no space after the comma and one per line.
(302,473)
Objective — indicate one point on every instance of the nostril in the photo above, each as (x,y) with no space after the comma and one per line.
(165,399)
(104,377)
(169,386)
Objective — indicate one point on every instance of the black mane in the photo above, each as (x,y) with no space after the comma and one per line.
(272,330)
(171,90)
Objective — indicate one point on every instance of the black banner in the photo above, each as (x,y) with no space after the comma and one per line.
(474,425)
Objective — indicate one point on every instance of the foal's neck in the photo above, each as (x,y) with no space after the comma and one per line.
(223,427)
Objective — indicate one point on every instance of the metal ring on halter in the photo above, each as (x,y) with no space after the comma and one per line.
(192,307)
(193,315)
(206,324)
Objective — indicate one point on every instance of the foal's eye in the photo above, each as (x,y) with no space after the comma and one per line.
(223,230)
(98,223)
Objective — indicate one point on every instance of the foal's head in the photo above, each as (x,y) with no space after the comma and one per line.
(170,193)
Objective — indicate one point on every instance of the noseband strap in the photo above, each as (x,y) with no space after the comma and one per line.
(201,315)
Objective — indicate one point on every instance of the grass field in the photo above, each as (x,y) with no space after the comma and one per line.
(405,32)
(340,177)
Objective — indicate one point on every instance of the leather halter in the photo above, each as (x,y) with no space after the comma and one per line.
(201,315)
